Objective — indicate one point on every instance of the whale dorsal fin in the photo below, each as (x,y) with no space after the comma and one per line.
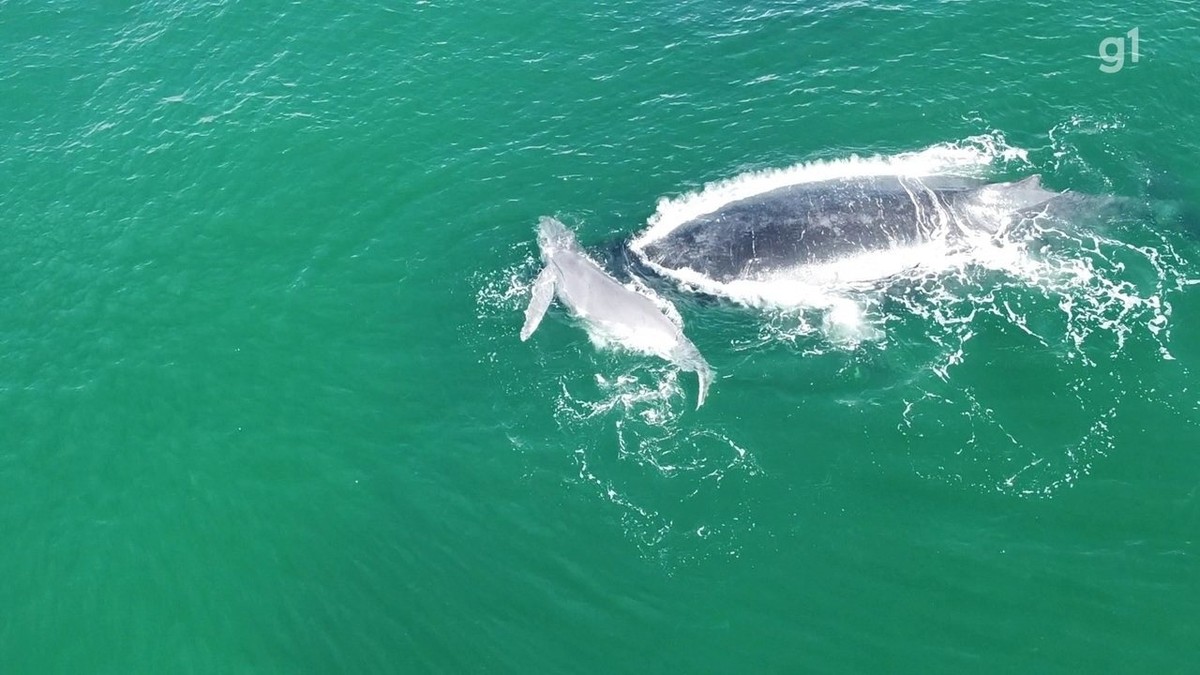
(539,301)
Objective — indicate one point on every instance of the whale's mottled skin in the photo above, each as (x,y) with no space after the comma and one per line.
(824,221)
(607,307)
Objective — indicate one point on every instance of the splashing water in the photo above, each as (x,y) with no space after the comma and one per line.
(638,437)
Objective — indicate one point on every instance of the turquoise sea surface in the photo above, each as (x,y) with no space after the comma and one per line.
(264,408)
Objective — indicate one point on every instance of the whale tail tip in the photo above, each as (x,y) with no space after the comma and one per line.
(688,358)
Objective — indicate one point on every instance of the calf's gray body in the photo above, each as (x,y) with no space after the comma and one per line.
(613,311)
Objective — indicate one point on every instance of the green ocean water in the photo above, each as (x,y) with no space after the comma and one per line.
(263,407)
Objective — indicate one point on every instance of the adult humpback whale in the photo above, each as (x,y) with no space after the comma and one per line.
(819,222)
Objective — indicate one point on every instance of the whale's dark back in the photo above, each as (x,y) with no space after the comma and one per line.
(809,223)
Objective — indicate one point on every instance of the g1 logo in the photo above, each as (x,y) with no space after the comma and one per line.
(1112,51)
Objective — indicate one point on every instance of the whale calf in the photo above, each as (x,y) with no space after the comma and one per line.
(820,222)
(610,311)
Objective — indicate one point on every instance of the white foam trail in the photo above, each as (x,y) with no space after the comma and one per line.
(637,454)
